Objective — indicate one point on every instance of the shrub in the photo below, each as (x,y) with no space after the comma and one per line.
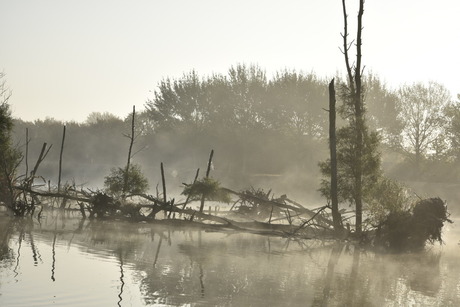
(208,187)
(136,183)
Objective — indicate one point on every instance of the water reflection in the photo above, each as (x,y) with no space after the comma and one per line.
(124,264)
(122,275)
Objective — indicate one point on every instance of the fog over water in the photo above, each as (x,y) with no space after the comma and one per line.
(73,262)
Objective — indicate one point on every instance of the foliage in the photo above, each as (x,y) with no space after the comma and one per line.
(98,117)
(136,181)
(387,197)
(348,161)
(207,187)
(346,164)
(102,205)
(411,230)
(240,101)
(10,156)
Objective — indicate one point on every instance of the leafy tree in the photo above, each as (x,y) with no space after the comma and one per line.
(357,148)
(294,104)
(422,109)
(179,103)
(248,86)
(136,181)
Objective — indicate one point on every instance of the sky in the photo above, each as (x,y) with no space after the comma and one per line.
(64,59)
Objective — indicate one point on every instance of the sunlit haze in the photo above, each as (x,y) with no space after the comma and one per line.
(66,59)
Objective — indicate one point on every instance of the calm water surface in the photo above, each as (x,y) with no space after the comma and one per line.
(65,261)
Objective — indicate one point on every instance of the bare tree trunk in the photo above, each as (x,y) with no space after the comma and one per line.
(207,175)
(27,153)
(359,124)
(188,196)
(336,218)
(131,142)
(163,182)
(60,160)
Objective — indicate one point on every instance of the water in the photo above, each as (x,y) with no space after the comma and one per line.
(66,261)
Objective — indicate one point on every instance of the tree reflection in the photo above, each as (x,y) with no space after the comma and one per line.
(6,230)
(333,259)
(424,273)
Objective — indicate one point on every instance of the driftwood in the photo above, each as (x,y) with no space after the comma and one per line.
(297,208)
(99,205)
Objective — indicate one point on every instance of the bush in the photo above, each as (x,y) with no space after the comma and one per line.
(208,187)
(410,231)
(387,197)
(136,183)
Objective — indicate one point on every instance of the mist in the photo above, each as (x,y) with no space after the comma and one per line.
(266,133)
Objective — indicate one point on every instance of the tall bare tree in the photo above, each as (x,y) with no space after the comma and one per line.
(352,94)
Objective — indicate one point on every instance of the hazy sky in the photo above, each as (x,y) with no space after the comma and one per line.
(65,59)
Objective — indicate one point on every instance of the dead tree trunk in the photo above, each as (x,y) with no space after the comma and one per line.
(27,153)
(336,218)
(60,159)
(131,142)
(207,175)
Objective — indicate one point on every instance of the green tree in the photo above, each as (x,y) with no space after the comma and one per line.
(422,109)
(357,149)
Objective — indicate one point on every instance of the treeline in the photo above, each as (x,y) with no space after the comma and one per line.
(259,127)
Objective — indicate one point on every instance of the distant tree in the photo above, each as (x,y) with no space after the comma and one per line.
(179,104)
(422,109)
(248,86)
(382,110)
(97,117)
(452,115)
(294,104)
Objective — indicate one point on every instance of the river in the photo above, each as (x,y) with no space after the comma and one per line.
(63,260)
